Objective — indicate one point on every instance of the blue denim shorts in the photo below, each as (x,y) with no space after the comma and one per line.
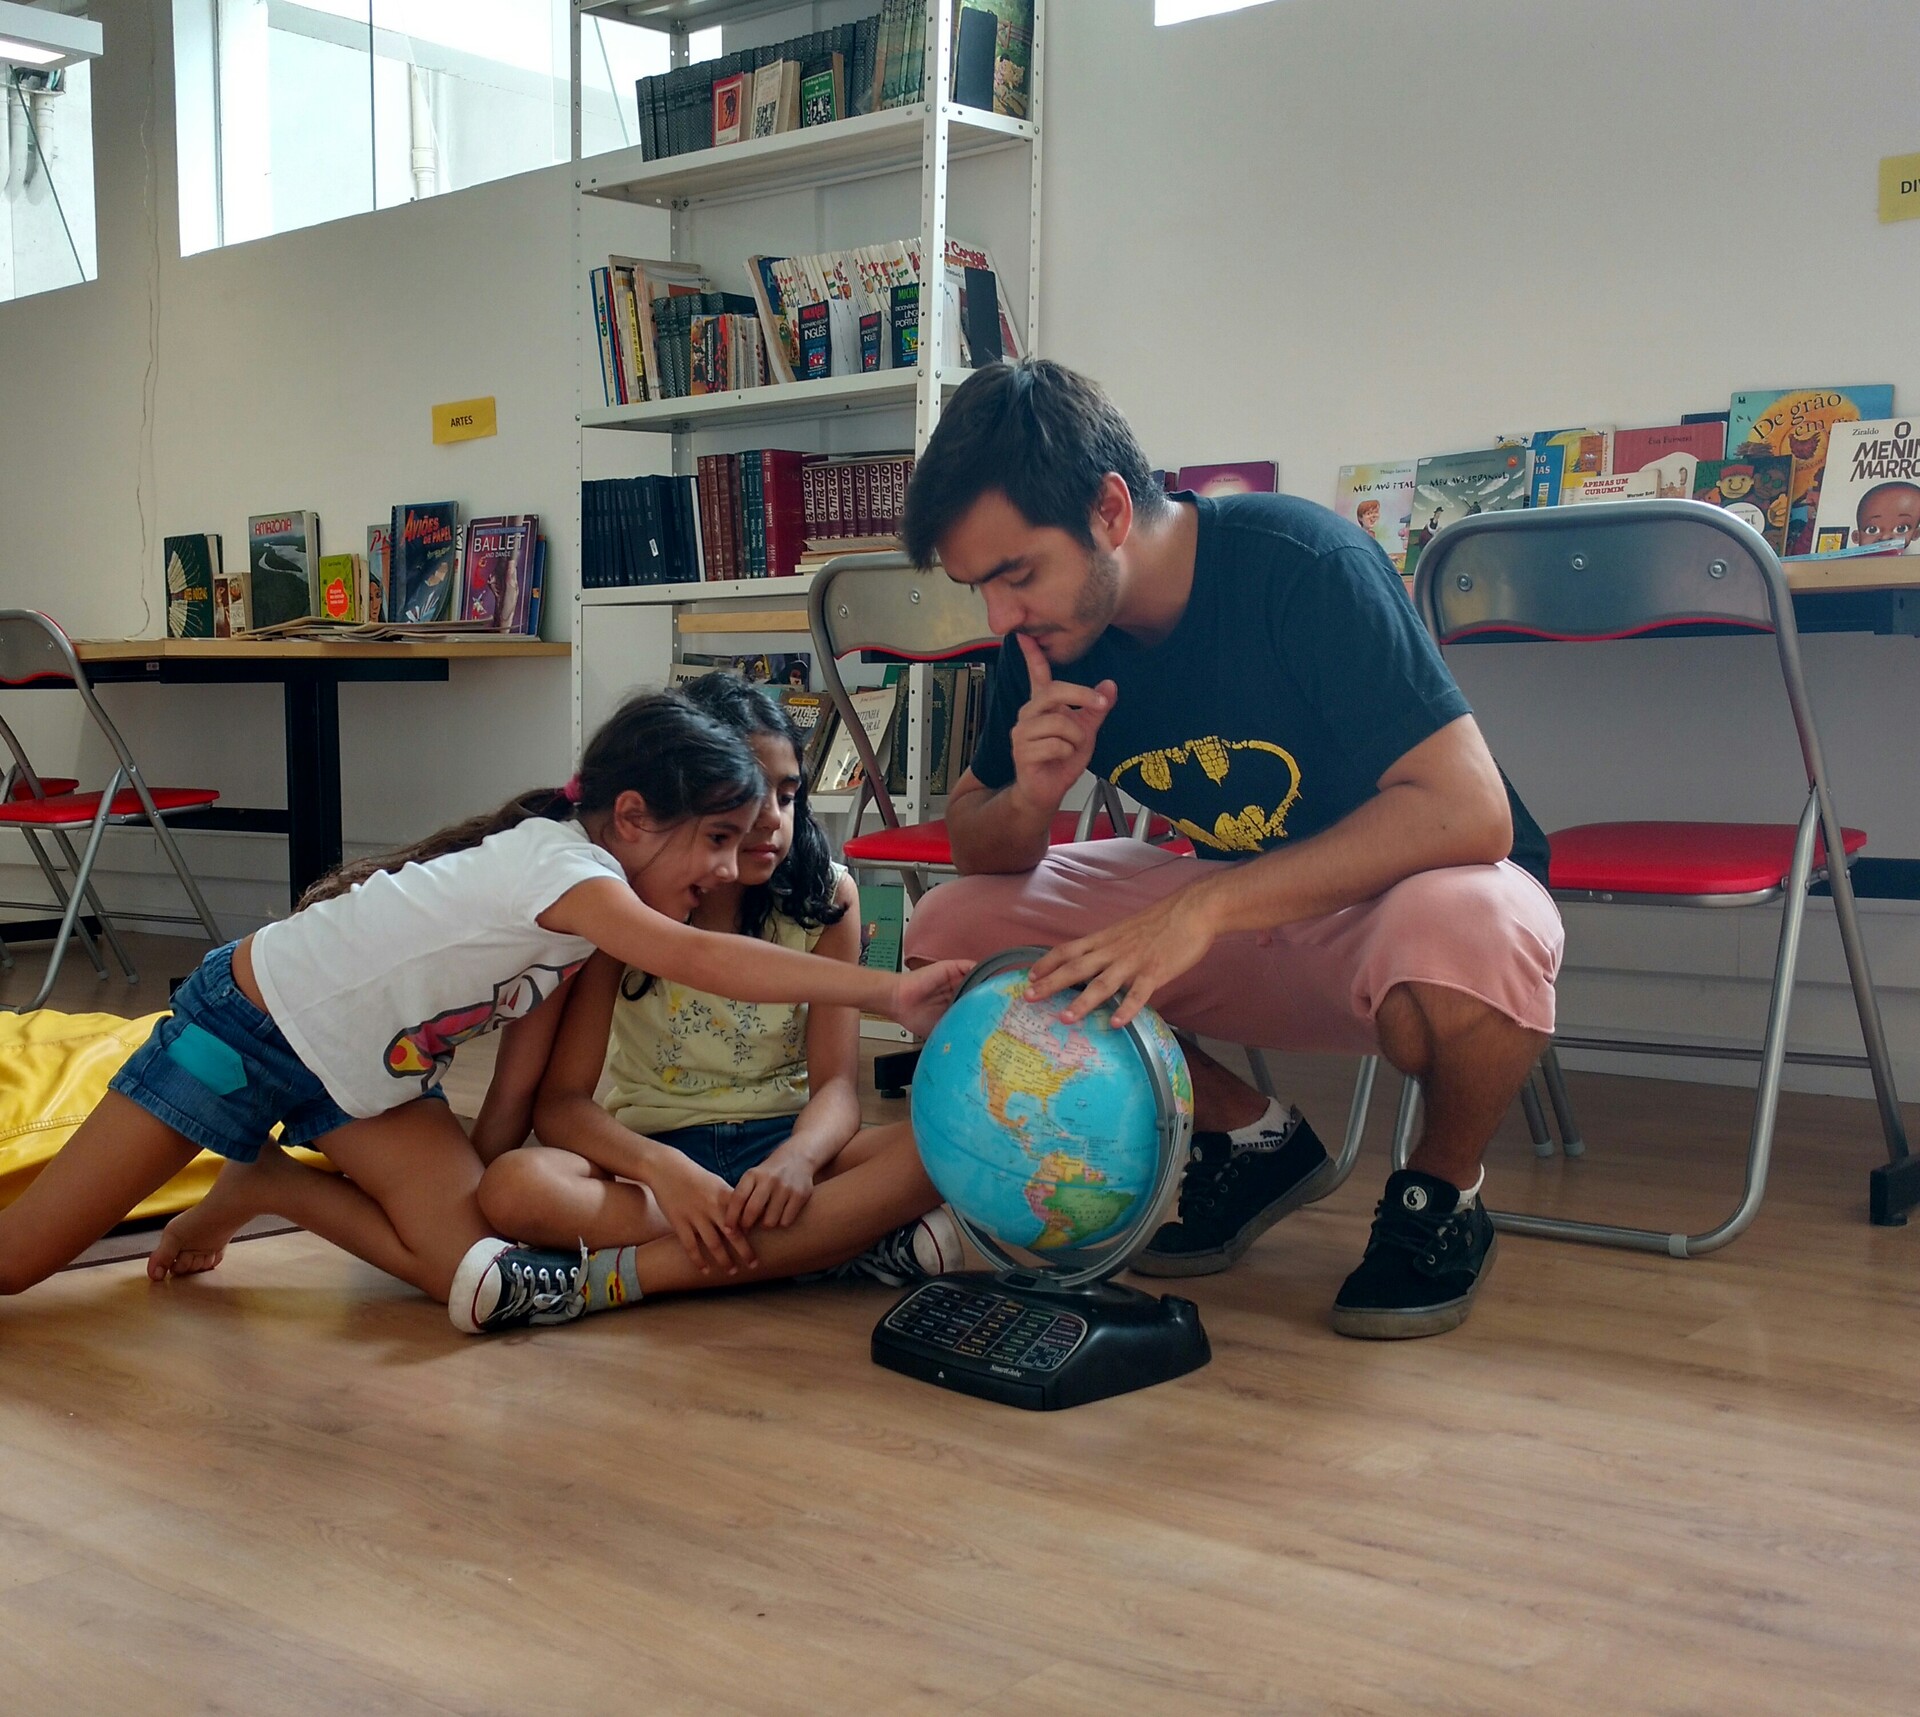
(218,1071)
(730,1148)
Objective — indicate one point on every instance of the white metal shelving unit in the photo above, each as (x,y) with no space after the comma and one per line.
(627,636)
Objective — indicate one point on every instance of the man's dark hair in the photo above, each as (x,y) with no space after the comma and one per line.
(1043,436)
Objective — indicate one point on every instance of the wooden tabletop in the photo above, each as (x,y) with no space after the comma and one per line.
(333,649)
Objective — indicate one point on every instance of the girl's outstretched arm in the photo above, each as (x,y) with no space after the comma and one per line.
(612,917)
(506,1114)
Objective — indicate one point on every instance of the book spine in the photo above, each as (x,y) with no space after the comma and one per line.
(754,472)
(849,519)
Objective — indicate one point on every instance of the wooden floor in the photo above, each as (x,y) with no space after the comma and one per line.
(1628,1485)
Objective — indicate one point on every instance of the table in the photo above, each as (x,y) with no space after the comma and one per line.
(310,671)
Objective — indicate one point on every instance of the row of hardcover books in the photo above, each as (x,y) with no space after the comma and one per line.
(665,333)
(763,513)
(1825,471)
(421,570)
(865,66)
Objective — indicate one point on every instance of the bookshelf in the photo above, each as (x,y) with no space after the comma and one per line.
(824,187)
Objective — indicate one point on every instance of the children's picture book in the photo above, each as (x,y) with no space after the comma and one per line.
(1797,422)
(1012,51)
(425,577)
(193,569)
(840,769)
(1617,486)
(496,551)
(379,563)
(1249,477)
(1753,488)
(1587,455)
(283,554)
(1870,495)
(1549,464)
(342,589)
(1379,499)
(1670,452)
(883,923)
(1450,486)
(229,598)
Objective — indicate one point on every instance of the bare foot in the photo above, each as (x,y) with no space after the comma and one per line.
(196,1239)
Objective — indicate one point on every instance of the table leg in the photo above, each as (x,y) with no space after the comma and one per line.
(313,780)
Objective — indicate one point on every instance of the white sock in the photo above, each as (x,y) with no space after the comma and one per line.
(1472,1194)
(1270,1123)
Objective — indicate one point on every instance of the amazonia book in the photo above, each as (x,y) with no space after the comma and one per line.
(426,562)
(1450,486)
(193,569)
(283,555)
(1870,495)
(1752,488)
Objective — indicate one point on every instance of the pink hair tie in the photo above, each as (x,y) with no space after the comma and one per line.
(572,790)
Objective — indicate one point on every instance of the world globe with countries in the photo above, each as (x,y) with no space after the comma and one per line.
(1059,1140)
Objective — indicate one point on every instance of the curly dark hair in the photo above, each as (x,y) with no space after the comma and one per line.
(802,888)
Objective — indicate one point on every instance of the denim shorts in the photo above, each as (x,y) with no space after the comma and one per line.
(218,1071)
(730,1148)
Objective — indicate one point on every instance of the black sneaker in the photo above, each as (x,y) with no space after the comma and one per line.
(926,1247)
(1233,1194)
(1425,1261)
(501,1286)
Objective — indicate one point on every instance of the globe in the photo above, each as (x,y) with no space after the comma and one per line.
(1059,1142)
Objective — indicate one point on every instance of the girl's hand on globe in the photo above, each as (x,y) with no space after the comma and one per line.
(1131,959)
(921,997)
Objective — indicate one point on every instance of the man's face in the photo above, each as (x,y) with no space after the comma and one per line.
(1035,579)
(1889,515)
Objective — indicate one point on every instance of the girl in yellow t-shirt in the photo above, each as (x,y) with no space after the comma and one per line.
(724,1145)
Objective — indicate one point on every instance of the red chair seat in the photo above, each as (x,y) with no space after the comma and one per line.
(1679,858)
(71,808)
(928,843)
(51,785)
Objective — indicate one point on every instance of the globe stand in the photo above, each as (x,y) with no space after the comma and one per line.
(1013,1338)
(1057,1333)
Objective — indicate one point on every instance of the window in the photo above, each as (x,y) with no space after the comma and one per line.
(293,112)
(1179,11)
(46,180)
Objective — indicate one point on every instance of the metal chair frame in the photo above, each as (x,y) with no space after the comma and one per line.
(1604,573)
(35,651)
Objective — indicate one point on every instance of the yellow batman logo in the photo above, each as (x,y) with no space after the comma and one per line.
(1245,831)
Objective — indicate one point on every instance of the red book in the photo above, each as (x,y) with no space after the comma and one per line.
(783,477)
(730,96)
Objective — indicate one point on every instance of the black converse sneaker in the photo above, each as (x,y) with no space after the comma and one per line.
(927,1246)
(1234,1192)
(501,1286)
(1425,1261)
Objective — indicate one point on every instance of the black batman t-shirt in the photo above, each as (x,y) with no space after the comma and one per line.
(1298,675)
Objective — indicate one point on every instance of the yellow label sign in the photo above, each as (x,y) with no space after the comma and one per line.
(464,420)
(1900,187)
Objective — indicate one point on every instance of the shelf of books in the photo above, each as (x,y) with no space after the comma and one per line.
(886,142)
(739,408)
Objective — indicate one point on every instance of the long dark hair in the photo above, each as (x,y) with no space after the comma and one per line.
(680,759)
(802,888)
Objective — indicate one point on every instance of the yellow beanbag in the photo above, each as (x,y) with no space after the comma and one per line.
(54,1068)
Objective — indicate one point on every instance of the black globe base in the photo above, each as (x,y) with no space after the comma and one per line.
(1011,1338)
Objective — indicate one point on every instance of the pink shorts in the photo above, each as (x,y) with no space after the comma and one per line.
(1489,930)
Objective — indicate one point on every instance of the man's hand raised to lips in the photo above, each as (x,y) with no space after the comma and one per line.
(1054,734)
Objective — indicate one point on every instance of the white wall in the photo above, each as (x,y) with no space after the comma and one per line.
(1315,230)
(1336,230)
